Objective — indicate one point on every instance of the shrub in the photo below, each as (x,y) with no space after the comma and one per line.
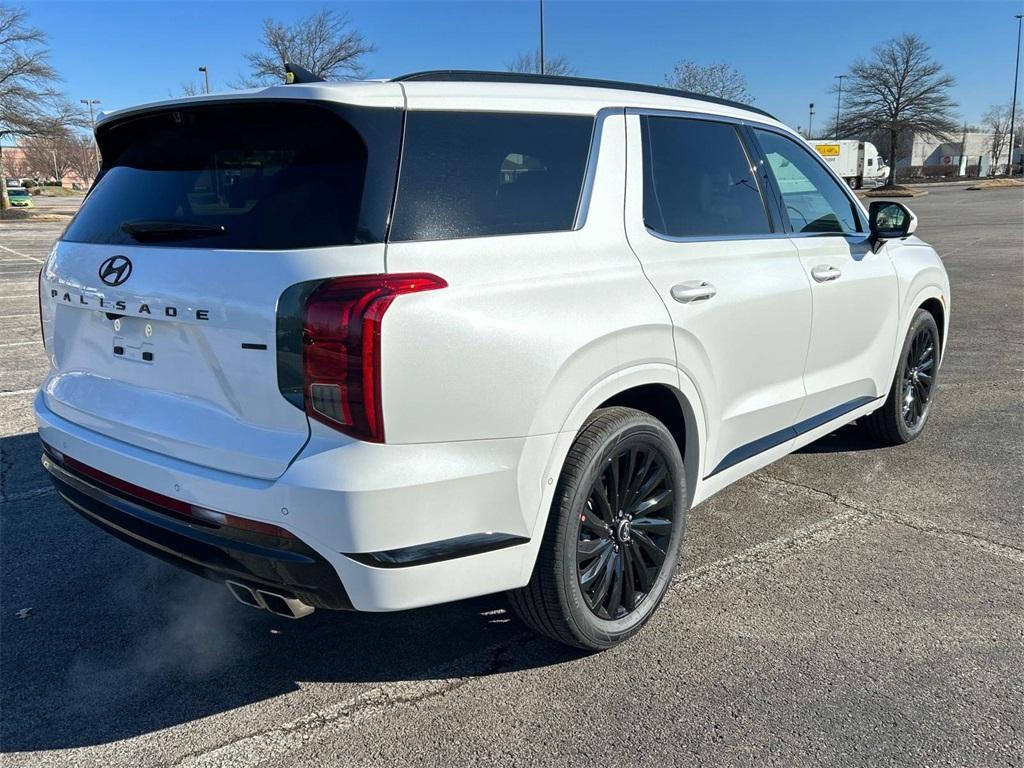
(939,171)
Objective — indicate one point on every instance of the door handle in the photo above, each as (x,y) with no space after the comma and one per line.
(824,273)
(693,290)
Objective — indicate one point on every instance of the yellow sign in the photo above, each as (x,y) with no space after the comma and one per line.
(827,150)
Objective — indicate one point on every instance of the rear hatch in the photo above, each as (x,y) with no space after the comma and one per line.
(160,300)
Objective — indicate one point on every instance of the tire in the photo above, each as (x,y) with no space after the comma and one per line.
(900,419)
(582,543)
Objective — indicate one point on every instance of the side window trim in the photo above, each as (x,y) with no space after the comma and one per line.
(777,220)
(777,193)
(587,190)
(776,225)
(767,181)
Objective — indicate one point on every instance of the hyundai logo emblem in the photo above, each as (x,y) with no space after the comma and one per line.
(115,270)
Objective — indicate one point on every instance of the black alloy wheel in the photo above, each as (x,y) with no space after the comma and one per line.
(626,526)
(909,402)
(612,539)
(918,377)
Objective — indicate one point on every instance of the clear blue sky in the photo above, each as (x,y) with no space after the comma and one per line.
(129,52)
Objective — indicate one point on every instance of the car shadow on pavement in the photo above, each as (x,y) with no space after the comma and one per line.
(102,643)
(846,439)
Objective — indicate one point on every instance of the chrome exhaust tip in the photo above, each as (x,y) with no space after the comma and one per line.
(243,594)
(279,605)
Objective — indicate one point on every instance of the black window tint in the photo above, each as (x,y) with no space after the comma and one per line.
(266,176)
(698,181)
(814,201)
(469,174)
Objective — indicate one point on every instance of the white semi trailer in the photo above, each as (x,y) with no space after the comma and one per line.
(856,161)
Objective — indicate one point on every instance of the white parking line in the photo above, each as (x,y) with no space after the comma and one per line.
(20,343)
(18,392)
(27,314)
(20,296)
(23,255)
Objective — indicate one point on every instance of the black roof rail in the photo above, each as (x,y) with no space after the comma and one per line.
(477,76)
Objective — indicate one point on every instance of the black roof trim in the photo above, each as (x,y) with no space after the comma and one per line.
(475,76)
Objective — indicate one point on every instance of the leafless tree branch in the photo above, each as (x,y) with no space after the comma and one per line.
(323,43)
(898,92)
(997,122)
(721,80)
(530,63)
(30,103)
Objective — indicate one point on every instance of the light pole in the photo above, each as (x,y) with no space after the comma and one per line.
(92,120)
(810,122)
(839,101)
(1013,108)
(542,37)
(206,77)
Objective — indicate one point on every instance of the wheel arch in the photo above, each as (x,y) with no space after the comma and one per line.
(656,388)
(669,406)
(936,309)
(934,299)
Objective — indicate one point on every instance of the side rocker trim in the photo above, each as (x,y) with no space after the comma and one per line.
(762,444)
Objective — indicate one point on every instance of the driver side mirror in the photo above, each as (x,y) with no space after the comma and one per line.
(890,221)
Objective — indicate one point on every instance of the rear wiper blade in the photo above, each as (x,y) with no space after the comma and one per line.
(153,231)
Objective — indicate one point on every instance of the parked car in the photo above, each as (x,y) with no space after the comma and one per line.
(19,197)
(386,345)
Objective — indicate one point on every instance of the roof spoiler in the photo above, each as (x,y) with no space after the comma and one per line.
(294,74)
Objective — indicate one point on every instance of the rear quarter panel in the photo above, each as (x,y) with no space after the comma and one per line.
(528,324)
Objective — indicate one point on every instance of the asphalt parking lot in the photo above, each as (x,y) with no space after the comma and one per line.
(848,605)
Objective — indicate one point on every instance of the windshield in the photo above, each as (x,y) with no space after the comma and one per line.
(17,192)
(254,176)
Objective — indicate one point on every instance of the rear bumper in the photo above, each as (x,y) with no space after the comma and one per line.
(286,565)
(342,503)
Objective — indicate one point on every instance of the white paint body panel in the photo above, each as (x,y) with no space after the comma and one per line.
(484,383)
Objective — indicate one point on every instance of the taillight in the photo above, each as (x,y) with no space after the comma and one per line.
(341,349)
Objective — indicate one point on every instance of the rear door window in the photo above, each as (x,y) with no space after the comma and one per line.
(698,181)
(247,176)
(474,174)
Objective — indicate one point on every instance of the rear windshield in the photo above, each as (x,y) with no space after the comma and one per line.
(471,174)
(252,176)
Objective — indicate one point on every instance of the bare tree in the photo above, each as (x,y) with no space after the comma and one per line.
(56,154)
(191,88)
(82,158)
(997,122)
(530,63)
(721,80)
(47,156)
(16,166)
(30,104)
(323,43)
(900,90)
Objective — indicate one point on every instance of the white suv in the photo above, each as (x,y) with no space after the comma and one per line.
(383,345)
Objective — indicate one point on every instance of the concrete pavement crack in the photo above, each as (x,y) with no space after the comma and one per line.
(270,744)
(901,518)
